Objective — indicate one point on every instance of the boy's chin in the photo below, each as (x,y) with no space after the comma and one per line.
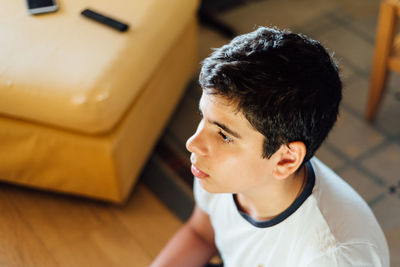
(213,188)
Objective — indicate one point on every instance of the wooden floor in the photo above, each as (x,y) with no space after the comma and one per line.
(46,229)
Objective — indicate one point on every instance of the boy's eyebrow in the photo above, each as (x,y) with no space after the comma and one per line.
(222,126)
(226,129)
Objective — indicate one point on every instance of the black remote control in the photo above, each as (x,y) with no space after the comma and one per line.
(122,27)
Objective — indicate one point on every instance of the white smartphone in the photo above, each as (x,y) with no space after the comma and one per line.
(41,6)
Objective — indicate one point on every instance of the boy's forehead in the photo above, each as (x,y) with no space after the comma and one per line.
(223,109)
(219,102)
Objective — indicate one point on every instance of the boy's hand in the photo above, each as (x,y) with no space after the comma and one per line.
(193,245)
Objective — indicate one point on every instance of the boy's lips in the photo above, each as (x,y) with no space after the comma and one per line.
(198,173)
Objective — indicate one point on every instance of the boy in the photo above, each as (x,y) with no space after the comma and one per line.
(269,99)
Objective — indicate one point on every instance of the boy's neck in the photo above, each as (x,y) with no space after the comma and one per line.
(265,203)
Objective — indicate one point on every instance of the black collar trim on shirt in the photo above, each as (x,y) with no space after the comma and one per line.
(289,211)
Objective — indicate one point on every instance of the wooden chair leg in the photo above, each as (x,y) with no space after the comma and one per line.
(383,44)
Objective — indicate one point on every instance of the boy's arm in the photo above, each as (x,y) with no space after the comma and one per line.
(193,245)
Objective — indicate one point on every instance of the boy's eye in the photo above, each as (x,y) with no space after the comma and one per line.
(225,138)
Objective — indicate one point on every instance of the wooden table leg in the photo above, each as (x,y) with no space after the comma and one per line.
(383,44)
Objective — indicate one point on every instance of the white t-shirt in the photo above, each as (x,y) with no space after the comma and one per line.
(328,225)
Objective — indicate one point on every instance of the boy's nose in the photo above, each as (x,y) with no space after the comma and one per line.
(196,143)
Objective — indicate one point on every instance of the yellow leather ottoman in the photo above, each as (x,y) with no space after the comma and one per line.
(81,105)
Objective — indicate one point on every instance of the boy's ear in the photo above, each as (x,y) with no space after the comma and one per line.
(289,159)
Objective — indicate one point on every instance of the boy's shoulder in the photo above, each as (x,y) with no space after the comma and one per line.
(336,199)
(348,220)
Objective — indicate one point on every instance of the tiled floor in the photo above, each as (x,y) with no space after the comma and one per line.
(365,155)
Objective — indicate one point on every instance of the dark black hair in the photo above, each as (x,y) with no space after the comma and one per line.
(286,85)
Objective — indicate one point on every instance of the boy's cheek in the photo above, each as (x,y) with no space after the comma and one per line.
(225,168)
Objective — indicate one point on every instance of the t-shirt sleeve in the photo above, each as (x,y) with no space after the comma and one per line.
(202,197)
(350,255)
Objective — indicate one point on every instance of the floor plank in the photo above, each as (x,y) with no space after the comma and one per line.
(46,229)
(19,245)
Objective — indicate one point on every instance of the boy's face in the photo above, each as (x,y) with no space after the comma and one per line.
(226,150)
